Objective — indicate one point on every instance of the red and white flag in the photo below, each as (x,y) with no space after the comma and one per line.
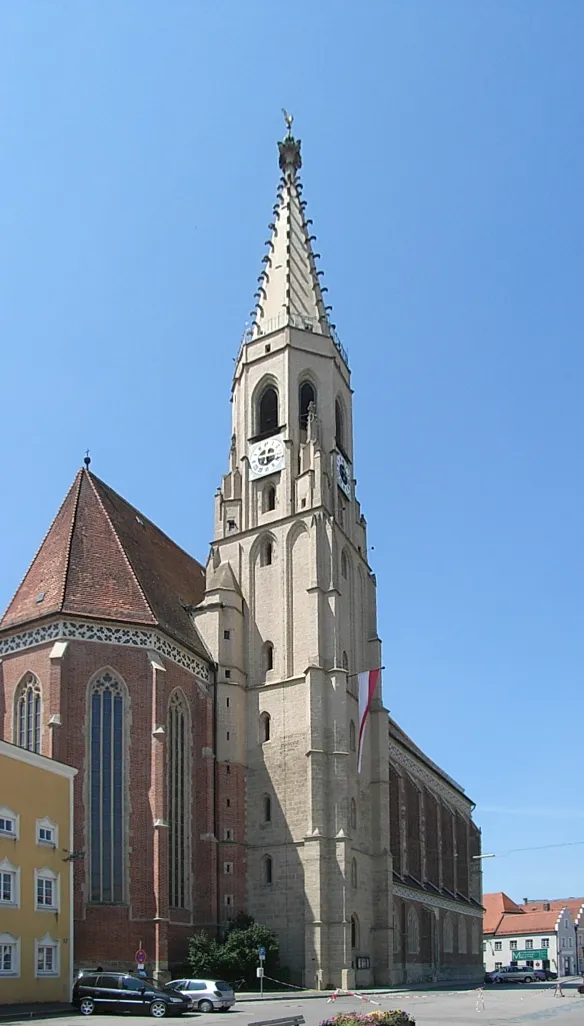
(367,683)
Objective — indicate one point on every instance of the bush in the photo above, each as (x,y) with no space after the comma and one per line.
(235,956)
(395,1017)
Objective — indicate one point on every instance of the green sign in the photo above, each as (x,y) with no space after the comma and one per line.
(537,955)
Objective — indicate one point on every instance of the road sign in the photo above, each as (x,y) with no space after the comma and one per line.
(140,956)
(261,954)
(259,972)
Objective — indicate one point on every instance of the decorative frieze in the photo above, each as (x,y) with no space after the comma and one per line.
(434,901)
(422,773)
(80,630)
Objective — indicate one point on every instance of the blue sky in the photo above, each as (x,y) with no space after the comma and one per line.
(443,168)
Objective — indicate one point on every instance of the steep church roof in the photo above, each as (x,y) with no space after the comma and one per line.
(102,558)
(289,291)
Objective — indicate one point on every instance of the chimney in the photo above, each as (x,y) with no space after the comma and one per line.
(525,901)
(546,906)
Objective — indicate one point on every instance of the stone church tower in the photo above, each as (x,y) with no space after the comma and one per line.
(290,609)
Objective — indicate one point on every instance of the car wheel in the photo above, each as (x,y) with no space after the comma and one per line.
(528,979)
(498,980)
(206,1006)
(87,1006)
(158,1009)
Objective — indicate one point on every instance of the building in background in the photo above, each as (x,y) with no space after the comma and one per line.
(576,909)
(36,849)
(542,937)
(233,749)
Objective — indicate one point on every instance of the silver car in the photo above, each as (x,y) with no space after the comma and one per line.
(206,995)
(511,974)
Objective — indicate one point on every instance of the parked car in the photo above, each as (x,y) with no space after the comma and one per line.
(511,974)
(544,974)
(206,995)
(121,992)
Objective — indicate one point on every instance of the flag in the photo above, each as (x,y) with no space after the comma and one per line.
(367,683)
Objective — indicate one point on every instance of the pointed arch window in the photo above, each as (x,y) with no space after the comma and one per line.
(268,499)
(267,869)
(306,404)
(413,932)
(267,413)
(28,714)
(339,426)
(268,657)
(264,727)
(107,789)
(448,934)
(345,661)
(178,775)
(267,553)
(344,565)
(267,808)
(354,873)
(353,814)
(352,736)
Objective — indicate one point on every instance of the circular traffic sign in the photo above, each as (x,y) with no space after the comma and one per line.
(140,956)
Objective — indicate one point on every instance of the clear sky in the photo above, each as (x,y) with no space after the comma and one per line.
(443,168)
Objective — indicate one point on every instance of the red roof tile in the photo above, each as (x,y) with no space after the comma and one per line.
(529,922)
(496,905)
(103,558)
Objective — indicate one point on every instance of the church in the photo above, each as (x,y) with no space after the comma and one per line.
(227,722)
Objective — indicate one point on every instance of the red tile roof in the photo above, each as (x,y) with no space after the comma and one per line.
(529,922)
(496,905)
(102,558)
(575,905)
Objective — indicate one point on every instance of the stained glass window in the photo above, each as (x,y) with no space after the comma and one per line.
(106,787)
(28,714)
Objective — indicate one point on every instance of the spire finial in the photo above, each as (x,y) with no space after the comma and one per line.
(289,119)
(87,459)
(290,159)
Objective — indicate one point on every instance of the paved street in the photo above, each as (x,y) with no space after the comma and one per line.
(502,1007)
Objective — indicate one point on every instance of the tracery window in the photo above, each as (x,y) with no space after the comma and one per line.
(106,789)
(178,754)
(413,932)
(267,414)
(306,402)
(28,714)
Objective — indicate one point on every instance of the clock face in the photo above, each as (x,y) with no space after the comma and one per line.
(343,475)
(267,457)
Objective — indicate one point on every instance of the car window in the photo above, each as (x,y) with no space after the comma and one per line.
(221,985)
(176,983)
(108,981)
(197,985)
(131,983)
(87,981)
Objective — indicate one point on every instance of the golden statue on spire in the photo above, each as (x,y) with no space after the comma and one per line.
(288,118)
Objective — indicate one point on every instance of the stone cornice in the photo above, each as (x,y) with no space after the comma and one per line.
(438,784)
(107,634)
(435,901)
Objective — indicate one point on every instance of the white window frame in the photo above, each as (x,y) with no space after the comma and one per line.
(513,945)
(14,942)
(47,874)
(498,945)
(6,813)
(47,942)
(545,942)
(14,871)
(47,824)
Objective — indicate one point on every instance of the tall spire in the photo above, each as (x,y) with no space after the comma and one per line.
(289,291)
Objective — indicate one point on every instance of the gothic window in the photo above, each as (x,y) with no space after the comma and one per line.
(268,499)
(354,932)
(475,937)
(28,714)
(352,736)
(448,931)
(264,727)
(353,814)
(267,869)
(267,808)
(345,661)
(306,400)
(344,565)
(266,553)
(396,933)
(462,935)
(106,789)
(339,425)
(268,657)
(354,873)
(413,932)
(178,755)
(267,413)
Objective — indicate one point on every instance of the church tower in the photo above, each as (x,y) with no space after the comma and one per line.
(290,611)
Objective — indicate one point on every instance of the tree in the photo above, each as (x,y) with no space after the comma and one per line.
(235,956)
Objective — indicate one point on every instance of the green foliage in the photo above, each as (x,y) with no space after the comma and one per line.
(395,1017)
(235,956)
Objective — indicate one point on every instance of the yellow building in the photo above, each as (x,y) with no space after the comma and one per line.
(36,909)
